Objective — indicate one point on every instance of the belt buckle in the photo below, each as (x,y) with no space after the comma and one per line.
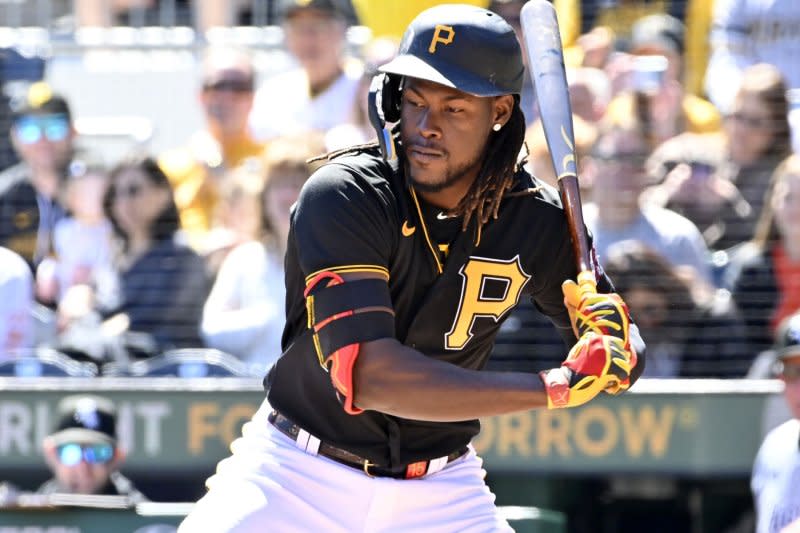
(367,464)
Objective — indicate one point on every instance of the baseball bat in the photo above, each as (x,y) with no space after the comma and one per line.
(546,63)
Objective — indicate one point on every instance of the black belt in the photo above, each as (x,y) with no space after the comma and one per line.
(410,471)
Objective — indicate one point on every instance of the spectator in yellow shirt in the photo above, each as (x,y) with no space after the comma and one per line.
(197,169)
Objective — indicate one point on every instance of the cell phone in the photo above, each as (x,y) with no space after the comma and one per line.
(648,73)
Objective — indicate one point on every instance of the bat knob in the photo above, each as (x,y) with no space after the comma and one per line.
(587,282)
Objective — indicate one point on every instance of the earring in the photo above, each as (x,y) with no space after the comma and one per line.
(497,127)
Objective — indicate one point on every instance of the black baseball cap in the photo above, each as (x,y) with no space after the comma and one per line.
(41,100)
(85,419)
(787,338)
(288,8)
(461,46)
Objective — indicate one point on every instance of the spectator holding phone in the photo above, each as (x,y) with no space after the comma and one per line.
(656,96)
(83,452)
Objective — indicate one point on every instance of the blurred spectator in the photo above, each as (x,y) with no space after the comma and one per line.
(82,240)
(321,93)
(686,171)
(358,129)
(244,314)
(16,303)
(655,94)
(42,135)
(389,18)
(539,162)
(757,132)
(691,330)
(83,452)
(747,32)
(775,480)
(765,274)
(591,30)
(213,13)
(592,49)
(163,283)
(237,217)
(197,169)
(617,173)
(104,13)
(589,92)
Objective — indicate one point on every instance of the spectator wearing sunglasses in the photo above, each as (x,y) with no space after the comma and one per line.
(83,452)
(162,283)
(616,169)
(775,480)
(684,170)
(42,135)
(197,170)
(758,135)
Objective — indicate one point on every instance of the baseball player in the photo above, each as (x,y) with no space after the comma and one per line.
(402,263)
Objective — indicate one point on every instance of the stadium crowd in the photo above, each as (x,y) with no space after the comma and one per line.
(691,190)
(685,112)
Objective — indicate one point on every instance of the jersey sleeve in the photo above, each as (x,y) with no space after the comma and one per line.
(342,223)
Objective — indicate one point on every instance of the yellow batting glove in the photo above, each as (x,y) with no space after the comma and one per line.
(595,364)
(603,314)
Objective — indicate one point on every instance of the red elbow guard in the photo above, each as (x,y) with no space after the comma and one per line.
(342,362)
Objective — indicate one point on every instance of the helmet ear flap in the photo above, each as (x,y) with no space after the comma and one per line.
(392,94)
(383,107)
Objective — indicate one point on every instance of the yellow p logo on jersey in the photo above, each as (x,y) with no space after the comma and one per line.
(441,34)
(476,303)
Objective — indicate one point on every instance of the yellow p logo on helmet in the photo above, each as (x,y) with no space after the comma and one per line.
(438,37)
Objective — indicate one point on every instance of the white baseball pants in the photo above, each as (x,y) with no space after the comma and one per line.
(269,485)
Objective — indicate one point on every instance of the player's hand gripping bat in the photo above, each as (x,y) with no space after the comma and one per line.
(546,63)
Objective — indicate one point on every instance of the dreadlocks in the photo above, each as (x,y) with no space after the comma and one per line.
(497,173)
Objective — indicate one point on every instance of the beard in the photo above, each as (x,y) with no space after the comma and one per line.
(451,177)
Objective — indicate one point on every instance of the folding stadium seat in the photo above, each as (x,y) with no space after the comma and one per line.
(44,362)
(190,363)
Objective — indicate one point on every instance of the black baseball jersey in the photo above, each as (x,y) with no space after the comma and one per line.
(450,289)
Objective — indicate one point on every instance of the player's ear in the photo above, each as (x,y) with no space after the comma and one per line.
(503,106)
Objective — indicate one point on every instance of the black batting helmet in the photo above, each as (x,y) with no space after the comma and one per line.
(460,46)
(463,47)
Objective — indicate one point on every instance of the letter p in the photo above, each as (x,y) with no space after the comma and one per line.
(441,34)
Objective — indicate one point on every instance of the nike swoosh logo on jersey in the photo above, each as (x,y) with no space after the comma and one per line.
(407,231)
